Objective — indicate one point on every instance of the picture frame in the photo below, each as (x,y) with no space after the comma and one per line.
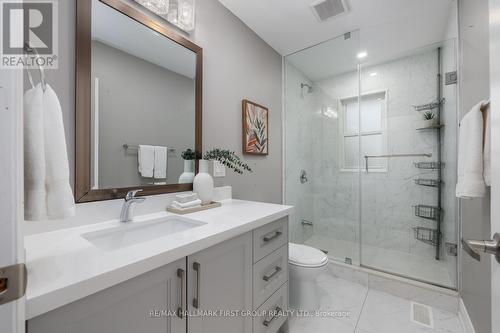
(255,128)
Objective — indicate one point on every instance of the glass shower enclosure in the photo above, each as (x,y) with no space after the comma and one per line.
(370,156)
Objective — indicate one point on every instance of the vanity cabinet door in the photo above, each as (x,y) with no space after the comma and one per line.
(142,304)
(220,279)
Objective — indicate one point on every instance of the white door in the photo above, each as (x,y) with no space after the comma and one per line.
(495,154)
(11,192)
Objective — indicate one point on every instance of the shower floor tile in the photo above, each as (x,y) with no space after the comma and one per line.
(371,311)
(391,261)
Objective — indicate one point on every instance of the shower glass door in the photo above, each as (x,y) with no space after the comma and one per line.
(321,147)
(408,207)
(372,180)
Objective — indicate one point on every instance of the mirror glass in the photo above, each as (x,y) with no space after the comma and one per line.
(143,104)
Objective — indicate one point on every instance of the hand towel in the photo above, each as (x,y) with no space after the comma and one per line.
(487,147)
(60,200)
(35,207)
(470,182)
(146,156)
(180,205)
(160,168)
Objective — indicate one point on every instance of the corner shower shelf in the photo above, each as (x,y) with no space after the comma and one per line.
(426,235)
(427,212)
(430,127)
(427,182)
(429,165)
(429,106)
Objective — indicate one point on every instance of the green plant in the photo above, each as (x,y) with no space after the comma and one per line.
(227,158)
(188,154)
(429,115)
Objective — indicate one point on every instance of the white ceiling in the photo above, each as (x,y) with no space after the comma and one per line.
(386,26)
(121,32)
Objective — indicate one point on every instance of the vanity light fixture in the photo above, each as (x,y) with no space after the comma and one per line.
(180,13)
(159,7)
(362,55)
(186,14)
(373,74)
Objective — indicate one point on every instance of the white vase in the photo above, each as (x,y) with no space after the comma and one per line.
(188,175)
(203,184)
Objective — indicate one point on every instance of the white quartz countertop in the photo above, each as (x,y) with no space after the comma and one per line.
(64,267)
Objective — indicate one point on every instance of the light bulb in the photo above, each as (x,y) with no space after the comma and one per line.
(362,55)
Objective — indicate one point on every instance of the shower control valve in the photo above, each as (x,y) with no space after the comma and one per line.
(303,176)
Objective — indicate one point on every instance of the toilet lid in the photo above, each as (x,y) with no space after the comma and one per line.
(306,256)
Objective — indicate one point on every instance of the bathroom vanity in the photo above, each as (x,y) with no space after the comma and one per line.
(218,265)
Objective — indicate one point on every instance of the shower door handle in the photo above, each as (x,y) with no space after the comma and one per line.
(474,247)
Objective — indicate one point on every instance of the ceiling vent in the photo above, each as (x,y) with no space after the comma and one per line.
(326,9)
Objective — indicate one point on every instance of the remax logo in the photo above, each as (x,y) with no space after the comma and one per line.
(29,33)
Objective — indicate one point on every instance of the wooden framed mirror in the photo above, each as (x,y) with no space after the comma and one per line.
(138,97)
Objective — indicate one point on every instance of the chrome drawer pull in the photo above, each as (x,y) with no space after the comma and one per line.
(268,322)
(182,275)
(276,235)
(277,269)
(196,300)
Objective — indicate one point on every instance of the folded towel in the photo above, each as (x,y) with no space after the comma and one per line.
(185,208)
(184,198)
(35,206)
(60,201)
(146,157)
(160,168)
(470,182)
(180,205)
(487,147)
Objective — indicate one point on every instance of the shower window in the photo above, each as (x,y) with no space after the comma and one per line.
(372,132)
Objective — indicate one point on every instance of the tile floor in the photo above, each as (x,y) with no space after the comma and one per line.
(371,311)
(397,262)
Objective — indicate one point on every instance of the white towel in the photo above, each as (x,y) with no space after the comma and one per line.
(146,157)
(186,198)
(160,171)
(180,205)
(470,182)
(60,201)
(47,192)
(35,207)
(487,147)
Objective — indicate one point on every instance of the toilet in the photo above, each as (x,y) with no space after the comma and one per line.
(305,265)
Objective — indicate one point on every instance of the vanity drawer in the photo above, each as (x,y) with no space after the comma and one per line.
(266,321)
(269,238)
(269,274)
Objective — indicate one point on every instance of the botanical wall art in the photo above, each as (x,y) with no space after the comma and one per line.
(255,129)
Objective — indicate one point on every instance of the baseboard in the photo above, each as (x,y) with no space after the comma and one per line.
(463,315)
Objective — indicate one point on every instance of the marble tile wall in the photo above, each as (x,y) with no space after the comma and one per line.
(298,152)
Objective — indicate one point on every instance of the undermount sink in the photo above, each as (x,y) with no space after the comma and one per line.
(132,233)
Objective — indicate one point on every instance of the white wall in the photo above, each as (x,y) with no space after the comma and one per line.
(475,214)
(237,65)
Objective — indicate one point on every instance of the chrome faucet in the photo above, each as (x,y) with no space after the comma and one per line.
(130,199)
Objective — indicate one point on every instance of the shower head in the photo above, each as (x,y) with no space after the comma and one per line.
(309,88)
